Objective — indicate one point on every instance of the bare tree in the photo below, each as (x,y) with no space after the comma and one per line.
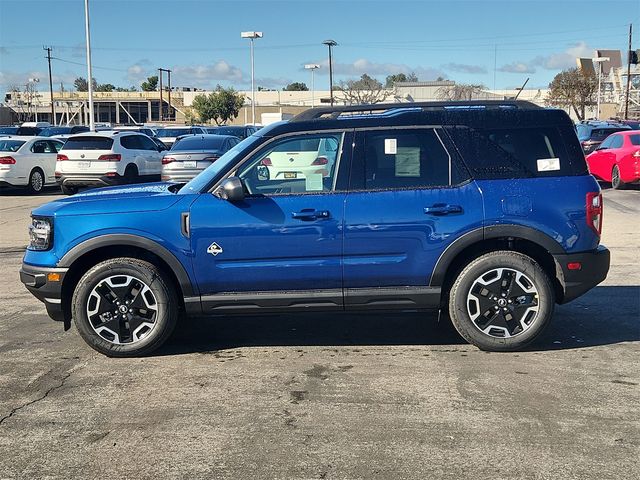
(364,91)
(460,91)
(573,89)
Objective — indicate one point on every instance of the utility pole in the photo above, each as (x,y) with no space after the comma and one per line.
(626,100)
(53,111)
(161,113)
(330,44)
(169,92)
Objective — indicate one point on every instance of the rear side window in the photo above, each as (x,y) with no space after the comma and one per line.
(616,141)
(401,158)
(634,139)
(131,142)
(88,143)
(518,152)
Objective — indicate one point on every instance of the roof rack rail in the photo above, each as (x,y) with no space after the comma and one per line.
(391,109)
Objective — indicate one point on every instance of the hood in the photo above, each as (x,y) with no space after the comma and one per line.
(146,197)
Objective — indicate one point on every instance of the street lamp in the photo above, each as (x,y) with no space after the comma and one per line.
(599,60)
(330,44)
(252,36)
(89,72)
(32,83)
(312,67)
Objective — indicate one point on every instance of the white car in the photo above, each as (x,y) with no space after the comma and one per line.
(300,158)
(107,158)
(28,161)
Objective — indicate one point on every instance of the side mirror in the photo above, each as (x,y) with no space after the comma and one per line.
(231,189)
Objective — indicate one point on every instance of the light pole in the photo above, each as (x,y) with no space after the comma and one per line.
(33,97)
(89,71)
(312,67)
(599,61)
(330,44)
(252,36)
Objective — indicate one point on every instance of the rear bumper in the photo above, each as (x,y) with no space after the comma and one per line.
(36,279)
(594,266)
(179,176)
(88,179)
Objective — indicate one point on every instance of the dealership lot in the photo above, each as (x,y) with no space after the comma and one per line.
(326,396)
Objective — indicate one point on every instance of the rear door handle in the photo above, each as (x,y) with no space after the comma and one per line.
(442,209)
(310,214)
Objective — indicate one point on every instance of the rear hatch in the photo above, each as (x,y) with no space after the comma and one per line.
(189,159)
(87,154)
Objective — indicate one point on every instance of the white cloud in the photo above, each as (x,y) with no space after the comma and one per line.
(206,75)
(517,67)
(555,61)
(19,79)
(139,71)
(464,68)
(362,66)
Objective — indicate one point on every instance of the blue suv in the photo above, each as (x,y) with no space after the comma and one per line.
(484,210)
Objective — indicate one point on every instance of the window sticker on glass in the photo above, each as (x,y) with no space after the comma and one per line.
(548,164)
(390,146)
(408,162)
(313,182)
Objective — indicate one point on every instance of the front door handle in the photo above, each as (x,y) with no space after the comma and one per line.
(442,209)
(310,214)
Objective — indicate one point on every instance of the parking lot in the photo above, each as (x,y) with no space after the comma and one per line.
(326,396)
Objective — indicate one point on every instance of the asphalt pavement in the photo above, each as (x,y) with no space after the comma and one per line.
(324,395)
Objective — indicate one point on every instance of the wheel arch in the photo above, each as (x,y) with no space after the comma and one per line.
(517,238)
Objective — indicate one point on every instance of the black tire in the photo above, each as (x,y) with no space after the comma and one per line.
(130,174)
(68,190)
(616,181)
(152,302)
(502,322)
(36,181)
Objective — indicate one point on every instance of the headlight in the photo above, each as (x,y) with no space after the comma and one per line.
(40,233)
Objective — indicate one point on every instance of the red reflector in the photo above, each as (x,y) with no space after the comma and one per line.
(7,161)
(111,174)
(167,160)
(266,162)
(574,266)
(320,161)
(112,157)
(636,154)
(61,157)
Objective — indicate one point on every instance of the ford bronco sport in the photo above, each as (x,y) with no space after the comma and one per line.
(484,210)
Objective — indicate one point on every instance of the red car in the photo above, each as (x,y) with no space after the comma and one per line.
(617,159)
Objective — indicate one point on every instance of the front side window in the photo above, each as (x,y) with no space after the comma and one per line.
(405,159)
(131,142)
(606,144)
(294,165)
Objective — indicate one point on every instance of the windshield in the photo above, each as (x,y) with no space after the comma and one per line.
(173,132)
(198,183)
(10,145)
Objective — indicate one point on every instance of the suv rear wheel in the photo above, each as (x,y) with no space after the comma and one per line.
(124,307)
(131,174)
(501,301)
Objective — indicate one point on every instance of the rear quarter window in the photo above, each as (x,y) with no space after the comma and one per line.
(88,143)
(502,153)
(634,139)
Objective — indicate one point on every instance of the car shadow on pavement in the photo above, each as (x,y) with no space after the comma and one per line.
(604,316)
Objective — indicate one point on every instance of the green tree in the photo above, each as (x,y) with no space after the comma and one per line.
(220,106)
(150,84)
(572,89)
(81,84)
(296,87)
(391,80)
(105,87)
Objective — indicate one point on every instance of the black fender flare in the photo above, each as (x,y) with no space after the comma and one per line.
(118,239)
(487,233)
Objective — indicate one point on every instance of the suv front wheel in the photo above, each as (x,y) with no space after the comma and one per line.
(501,301)
(124,307)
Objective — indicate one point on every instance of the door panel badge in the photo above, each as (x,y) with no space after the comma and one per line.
(214,249)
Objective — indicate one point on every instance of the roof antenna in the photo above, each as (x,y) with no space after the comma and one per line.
(521,88)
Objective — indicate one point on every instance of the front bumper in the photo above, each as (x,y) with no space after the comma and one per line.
(88,179)
(594,266)
(37,280)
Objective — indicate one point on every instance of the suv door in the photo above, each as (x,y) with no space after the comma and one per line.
(152,157)
(280,246)
(410,197)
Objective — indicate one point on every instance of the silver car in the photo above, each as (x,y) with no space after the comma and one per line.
(191,154)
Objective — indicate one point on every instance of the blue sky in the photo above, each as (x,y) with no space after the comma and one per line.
(496,43)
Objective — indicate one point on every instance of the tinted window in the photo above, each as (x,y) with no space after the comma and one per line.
(131,142)
(88,143)
(198,143)
(634,139)
(616,141)
(599,134)
(173,132)
(405,159)
(146,143)
(10,145)
(29,131)
(49,132)
(517,153)
(236,131)
(56,146)
(43,146)
(79,129)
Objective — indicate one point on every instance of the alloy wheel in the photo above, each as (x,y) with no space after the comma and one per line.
(503,303)
(37,181)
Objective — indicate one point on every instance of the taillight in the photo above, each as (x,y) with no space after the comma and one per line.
(266,162)
(61,158)
(112,157)
(636,154)
(320,161)
(212,158)
(167,160)
(594,211)
(7,161)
